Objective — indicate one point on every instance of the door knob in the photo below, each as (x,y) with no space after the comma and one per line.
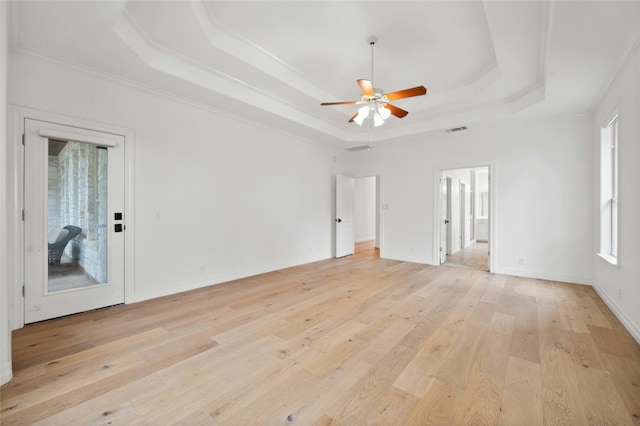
(338,220)
(446,221)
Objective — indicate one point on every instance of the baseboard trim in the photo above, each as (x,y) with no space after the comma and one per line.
(6,373)
(543,276)
(625,320)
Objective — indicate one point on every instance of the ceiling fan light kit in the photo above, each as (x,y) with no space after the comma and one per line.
(376,103)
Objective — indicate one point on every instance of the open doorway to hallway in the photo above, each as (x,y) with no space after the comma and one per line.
(465,217)
(367,214)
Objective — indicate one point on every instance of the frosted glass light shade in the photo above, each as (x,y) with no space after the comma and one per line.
(362,114)
(377,119)
(384,112)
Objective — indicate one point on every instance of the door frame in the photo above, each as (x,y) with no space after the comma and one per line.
(15,193)
(438,173)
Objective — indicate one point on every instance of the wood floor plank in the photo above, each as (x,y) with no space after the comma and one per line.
(331,390)
(525,343)
(481,401)
(431,356)
(493,355)
(561,396)
(379,345)
(225,405)
(522,395)
(625,374)
(392,408)
(608,341)
(356,340)
(438,406)
(283,402)
(602,403)
(456,365)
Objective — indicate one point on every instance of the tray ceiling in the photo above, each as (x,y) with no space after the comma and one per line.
(275,62)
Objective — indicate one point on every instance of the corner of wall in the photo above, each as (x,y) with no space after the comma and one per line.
(624,319)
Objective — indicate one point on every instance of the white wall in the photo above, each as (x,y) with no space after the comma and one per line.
(216,198)
(364,209)
(619,285)
(542,202)
(5,334)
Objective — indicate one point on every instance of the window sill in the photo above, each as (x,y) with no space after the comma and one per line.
(612,260)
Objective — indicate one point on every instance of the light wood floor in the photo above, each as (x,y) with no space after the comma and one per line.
(475,256)
(351,341)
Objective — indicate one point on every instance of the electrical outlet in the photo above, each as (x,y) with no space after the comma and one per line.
(520,261)
(620,294)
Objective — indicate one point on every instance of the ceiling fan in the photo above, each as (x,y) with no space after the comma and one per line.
(375,102)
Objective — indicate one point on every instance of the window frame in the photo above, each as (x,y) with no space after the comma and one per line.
(609,188)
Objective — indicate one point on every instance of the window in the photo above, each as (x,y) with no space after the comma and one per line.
(609,190)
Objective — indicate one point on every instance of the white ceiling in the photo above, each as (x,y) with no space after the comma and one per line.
(275,61)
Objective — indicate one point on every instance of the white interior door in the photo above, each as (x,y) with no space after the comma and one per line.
(345,239)
(444,220)
(447,220)
(463,215)
(74,220)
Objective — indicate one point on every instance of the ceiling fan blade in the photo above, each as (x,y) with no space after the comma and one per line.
(352,118)
(340,103)
(406,93)
(367,87)
(398,112)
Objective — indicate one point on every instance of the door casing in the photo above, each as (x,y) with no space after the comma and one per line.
(15,182)
(438,174)
(40,303)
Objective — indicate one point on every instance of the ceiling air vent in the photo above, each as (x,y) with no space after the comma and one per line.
(360,148)
(456,129)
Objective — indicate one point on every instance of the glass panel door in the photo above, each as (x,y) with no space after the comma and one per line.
(74,226)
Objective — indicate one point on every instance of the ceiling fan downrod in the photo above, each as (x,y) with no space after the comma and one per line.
(372,41)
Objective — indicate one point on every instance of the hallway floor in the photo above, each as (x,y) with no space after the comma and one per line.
(475,257)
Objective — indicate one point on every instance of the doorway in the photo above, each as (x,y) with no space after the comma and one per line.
(74,191)
(357,221)
(464,217)
(366,213)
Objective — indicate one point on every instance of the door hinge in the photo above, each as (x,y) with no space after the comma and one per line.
(22,291)
(23,215)
(23,138)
